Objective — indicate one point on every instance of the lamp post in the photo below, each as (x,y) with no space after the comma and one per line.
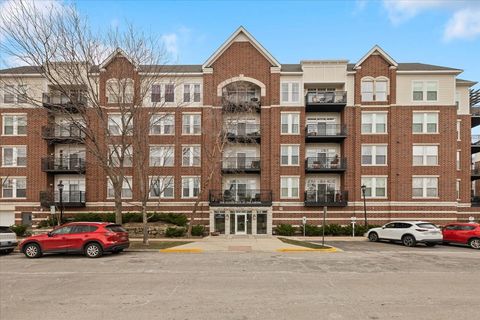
(60,191)
(364,188)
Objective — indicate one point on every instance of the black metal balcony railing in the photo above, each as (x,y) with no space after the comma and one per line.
(333,198)
(325,130)
(318,164)
(72,103)
(241,164)
(63,164)
(326,97)
(248,197)
(234,102)
(69,198)
(59,132)
(475,111)
(243,131)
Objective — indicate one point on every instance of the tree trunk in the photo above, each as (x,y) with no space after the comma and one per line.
(145,224)
(118,205)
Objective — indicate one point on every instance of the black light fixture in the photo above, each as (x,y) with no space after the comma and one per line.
(364,188)
(60,191)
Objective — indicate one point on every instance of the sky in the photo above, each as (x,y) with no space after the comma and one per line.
(442,32)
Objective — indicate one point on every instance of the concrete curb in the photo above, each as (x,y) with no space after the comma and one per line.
(181,250)
(329,250)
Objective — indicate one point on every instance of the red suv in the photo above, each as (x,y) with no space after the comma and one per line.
(465,233)
(89,238)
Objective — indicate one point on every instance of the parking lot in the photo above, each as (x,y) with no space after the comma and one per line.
(365,281)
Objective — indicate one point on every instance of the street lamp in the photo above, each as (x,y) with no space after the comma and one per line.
(364,188)
(60,191)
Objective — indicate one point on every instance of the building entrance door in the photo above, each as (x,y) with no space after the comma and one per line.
(240,223)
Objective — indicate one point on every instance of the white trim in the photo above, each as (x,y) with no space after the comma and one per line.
(456,71)
(221,85)
(112,55)
(385,55)
(231,39)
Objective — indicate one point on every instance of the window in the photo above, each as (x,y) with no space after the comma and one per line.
(376,187)
(367,90)
(424,90)
(425,155)
(63,230)
(290,123)
(9,94)
(190,187)
(117,153)
(14,156)
(169,92)
(459,125)
(290,92)
(14,125)
(156,93)
(191,124)
(289,155)
(289,187)
(191,156)
(120,124)
(374,122)
(459,160)
(457,185)
(162,124)
(126,188)
(14,187)
(162,186)
(119,91)
(188,89)
(425,187)
(381,90)
(162,156)
(374,155)
(425,122)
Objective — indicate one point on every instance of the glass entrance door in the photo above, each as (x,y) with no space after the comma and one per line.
(240,223)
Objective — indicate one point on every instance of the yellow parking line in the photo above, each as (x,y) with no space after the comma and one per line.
(307,250)
(180,250)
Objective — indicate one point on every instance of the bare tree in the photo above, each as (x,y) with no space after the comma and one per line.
(73,58)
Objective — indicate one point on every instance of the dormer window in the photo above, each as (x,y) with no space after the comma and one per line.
(374,89)
(119,90)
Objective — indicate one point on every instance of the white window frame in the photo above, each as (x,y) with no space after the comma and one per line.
(424,154)
(192,180)
(289,148)
(15,117)
(114,117)
(167,152)
(291,116)
(459,160)
(191,124)
(458,186)
(374,154)
(291,182)
(191,155)
(425,90)
(191,93)
(127,163)
(374,122)
(113,88)
(459,130)
(290,94)
(161,120)
(165,182)
(14,187)
(14,163)
(425,123)
(127,182)
(373,186)
(425,187)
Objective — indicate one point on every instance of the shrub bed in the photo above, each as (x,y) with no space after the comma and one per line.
(129,217)
(198,230)
(175,232)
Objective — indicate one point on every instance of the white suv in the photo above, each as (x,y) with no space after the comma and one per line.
(408,232)
(8,240)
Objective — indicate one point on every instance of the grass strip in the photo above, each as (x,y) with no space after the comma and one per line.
(157,244)
(303,244)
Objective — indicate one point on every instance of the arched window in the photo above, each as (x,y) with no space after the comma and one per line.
(374,89)
(367,89)
(119,91)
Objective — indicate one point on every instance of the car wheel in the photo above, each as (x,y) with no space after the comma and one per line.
(474,243)
(409,241)
(32,250)
(93,250)
(373,236)
(430,244)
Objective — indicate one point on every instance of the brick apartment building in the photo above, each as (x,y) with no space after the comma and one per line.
(321,130)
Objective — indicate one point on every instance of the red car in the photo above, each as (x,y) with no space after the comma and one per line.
(89,238)
(465,233)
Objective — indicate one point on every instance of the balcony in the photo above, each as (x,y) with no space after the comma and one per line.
(70,199)
(475,143)
(325,132)
(241,165)
(63,165)
(325,101)
(243,132)
(475,175)
(63,134)
(475,112)
(239,198)
(233,102)
(475,201)
(330,164)
(322,198)
(56,101)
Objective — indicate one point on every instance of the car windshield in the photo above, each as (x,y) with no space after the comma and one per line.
(427,225)
(5,230)
(115,228)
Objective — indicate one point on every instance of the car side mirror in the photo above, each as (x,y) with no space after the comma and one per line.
(50,234)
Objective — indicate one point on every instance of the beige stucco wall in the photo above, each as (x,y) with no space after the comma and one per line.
(446,88)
